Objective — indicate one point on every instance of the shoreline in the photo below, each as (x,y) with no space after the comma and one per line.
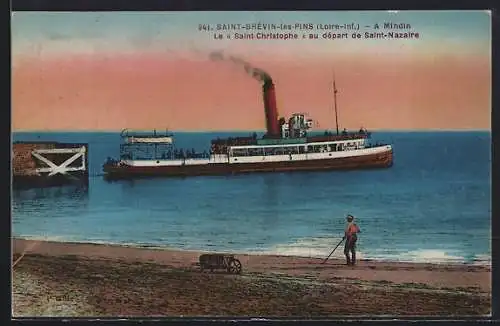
(478,262)
(75,279)
(431,273)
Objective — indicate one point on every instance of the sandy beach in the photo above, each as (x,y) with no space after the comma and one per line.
(74,279)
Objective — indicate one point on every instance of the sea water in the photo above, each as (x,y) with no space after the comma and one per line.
(433,205)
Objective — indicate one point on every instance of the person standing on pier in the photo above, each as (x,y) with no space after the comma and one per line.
(350,237)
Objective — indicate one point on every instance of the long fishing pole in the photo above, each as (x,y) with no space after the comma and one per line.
(324,261)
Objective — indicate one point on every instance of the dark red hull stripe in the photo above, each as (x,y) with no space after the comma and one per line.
(381,160)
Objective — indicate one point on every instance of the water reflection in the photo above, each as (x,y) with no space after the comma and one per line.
(70,197)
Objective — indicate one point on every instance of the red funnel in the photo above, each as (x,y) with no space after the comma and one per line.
(272,123)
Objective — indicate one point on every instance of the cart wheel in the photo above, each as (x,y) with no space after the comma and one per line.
(234,266)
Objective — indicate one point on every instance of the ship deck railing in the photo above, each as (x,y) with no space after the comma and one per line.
(328,136)
(165,158)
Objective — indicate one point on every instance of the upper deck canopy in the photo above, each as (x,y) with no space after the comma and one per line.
(145,140)
(334,137)
(147,137)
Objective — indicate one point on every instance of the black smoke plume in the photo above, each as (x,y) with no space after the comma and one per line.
(256,73)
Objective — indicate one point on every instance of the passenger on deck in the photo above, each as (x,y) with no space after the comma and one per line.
(344,132)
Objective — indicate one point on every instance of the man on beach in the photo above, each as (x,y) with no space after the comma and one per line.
(350,237)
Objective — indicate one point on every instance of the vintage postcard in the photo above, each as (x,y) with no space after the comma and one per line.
(266,164)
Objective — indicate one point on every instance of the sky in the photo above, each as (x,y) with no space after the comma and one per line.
(145,70)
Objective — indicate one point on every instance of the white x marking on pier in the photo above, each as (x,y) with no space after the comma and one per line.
(63,168)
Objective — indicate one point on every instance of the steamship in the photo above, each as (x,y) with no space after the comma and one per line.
(287,146)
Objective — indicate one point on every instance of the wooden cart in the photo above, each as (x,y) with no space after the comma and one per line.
(220,261)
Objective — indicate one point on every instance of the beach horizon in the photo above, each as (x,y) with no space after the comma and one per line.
(168,248)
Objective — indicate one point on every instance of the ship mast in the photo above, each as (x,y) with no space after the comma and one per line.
(335,104)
